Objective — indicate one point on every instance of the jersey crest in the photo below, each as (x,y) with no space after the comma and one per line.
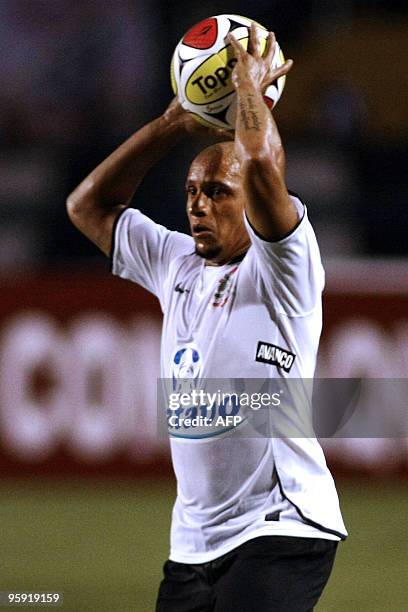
(224,289)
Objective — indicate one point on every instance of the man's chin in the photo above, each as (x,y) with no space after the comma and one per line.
(208,252)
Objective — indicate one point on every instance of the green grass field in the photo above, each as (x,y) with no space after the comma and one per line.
(104,544)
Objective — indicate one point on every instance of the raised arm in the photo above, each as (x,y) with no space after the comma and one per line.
(94,205)
(258,144)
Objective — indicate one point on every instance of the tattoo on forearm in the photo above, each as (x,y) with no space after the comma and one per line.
(249,114)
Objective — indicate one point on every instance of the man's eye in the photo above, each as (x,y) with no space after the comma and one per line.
(191,190)
(215,191)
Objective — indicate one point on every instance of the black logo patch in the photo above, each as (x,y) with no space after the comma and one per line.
(180,289)
(274,355)
(273,516)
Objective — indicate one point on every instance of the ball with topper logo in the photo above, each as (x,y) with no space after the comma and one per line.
(202,66)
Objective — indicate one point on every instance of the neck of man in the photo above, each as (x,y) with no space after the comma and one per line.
(235,258)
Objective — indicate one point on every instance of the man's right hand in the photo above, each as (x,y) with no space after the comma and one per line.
(96,203)
(175,114)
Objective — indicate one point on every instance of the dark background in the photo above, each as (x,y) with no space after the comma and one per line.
(79,77)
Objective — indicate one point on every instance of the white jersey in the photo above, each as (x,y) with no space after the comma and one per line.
(230,318)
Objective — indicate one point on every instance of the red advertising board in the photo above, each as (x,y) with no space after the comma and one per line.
(79,355)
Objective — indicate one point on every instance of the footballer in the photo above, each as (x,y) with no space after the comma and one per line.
(256,522)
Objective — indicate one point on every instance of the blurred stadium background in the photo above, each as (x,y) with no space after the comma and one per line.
(86,488)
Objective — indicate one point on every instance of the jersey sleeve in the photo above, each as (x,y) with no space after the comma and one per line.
(142,250)
(289,272)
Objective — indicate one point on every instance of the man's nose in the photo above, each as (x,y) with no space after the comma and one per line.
(199,206)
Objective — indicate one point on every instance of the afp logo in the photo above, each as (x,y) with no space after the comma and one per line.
(186,368)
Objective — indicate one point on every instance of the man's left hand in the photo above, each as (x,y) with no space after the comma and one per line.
(254,68)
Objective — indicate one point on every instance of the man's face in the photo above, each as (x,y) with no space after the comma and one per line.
(215,203)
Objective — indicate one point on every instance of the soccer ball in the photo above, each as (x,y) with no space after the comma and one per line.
(202,65)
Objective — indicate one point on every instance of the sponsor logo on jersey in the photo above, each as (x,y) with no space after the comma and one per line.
(274,355)
(186,367)
(197,420)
